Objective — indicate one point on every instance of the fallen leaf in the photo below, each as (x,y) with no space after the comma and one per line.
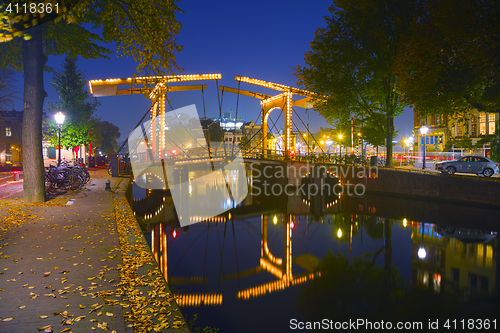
(109,314)
(43,328)
(22,306)
(7,319)
(43,316)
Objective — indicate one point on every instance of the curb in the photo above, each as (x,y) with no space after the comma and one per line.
(152,305)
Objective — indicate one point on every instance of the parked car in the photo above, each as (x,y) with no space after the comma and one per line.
(466,235)
(469,164)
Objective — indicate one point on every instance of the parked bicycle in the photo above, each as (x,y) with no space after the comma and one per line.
(66,176)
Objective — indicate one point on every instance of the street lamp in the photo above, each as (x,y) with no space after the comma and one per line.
(59,121)
(340,146)
(423,131)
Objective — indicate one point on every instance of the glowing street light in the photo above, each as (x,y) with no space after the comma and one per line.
(339,233)
(423,131)
(340,147)
(59,121)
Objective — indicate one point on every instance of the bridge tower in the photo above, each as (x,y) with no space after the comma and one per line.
(269,103)
(156,88)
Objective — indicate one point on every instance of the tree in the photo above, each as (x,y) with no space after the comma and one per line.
(109,133)
(450,63)
(350,62)
(141,29)
(6,90)
(76,104)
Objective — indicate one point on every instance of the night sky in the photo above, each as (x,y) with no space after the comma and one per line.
(259,39)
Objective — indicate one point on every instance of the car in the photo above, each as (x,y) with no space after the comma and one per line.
(466,235)
(469,164)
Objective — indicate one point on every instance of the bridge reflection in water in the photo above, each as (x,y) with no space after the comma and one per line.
(250,258)
(281,268)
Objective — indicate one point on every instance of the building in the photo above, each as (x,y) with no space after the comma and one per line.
(229,123)
(253,133)
(445,131)
(11,129)
(233,137)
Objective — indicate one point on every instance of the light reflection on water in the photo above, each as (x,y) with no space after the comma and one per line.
(245,270)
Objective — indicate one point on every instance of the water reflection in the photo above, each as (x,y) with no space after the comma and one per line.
(323,257)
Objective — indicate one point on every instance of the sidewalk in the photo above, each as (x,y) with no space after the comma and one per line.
(63,264)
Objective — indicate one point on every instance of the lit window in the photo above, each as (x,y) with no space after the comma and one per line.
(492,123)
(8,131)
(482,123)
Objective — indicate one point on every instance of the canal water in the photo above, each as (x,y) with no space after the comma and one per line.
(274,263)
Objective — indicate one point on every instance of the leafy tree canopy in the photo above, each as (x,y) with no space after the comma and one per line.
(76,104)
(450,62)
(143,30)
(109,133)
(350,62)
(6,89)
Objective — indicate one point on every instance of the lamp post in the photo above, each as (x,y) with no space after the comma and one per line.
(423,131)
(340,146)
(59,121)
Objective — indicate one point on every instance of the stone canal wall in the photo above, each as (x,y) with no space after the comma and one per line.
(436,186)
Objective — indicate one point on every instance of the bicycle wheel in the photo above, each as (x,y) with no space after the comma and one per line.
(109,169)
(75,182)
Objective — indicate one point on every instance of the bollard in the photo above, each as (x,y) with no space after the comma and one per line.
(16,175)
(108,184)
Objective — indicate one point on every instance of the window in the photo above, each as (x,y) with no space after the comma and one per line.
(473,121)
(491,123)
(482,123)
(439,119)
(8,131)
(45,152)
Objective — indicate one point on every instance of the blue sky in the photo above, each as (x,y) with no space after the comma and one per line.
(258,39)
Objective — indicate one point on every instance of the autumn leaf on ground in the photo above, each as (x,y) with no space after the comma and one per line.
(82,306)
(22,306)
(43,316)
(7,319)
(46,274)
(43,328)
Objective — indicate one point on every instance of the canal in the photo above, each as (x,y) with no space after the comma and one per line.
(274,263)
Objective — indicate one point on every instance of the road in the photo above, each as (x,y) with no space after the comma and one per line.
(8,186)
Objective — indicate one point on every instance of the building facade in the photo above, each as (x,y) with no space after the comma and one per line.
(11,129)
(445,131)
(253,133)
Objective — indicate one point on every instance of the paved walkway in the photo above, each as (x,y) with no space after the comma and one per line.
(69,264)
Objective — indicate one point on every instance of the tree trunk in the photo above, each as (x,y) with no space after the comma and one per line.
(34,94)
(389,131)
